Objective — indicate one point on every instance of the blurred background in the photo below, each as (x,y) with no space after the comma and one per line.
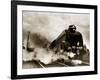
(49,25)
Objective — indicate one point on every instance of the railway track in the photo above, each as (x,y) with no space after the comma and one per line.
(41,64)
(65,65)
(57,64)
(38,64)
